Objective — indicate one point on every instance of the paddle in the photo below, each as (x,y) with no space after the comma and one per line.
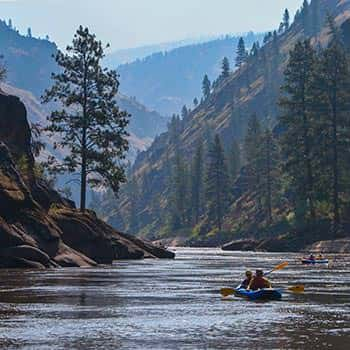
(278,267)
(297,289)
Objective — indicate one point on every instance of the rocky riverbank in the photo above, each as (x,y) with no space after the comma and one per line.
(39,228)
(339,246)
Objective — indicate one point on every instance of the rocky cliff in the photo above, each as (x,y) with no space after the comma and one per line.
(39,228)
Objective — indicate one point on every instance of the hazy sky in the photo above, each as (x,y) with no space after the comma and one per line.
(131,23)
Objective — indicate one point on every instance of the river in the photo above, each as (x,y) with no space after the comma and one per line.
(164,304)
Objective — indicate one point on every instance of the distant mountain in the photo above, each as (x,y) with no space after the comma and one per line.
(29,65)
(146,124)
(123,56)
(165,81)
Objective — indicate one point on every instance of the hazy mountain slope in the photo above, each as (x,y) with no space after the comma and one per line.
(252,89)
(28,60)
(37,113)
(123,56)
(165,81)
(29,65)
(146,124)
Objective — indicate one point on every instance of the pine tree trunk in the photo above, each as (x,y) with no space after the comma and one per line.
(83,174)
(310,180)
(83,144)
(335,184)
(269,186)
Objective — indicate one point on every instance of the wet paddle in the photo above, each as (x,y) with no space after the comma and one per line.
(297,289)
(277,268)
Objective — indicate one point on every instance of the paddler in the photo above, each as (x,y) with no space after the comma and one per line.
(248,278)
(259,281)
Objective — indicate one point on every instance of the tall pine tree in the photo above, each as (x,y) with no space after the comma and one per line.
(225,68)
(90,124)
(216,183)
(206,87)
(252,153)
(234,160)
(286,19)
(333,103)
(269,155)
(241,53)
(197,184)
(298,139)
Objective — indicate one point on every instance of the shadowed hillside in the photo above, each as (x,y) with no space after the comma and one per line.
(253,89)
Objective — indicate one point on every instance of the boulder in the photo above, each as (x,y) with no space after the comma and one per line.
(68,257)
(12,262)
(28,253)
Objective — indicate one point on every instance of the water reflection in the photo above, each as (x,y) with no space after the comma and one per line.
(157,304)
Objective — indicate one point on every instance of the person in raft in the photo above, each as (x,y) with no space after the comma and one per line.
(311,257)
(248,278)
(259,281)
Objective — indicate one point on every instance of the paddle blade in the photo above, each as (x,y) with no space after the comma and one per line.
(225,292)
(297,289)
(280,266)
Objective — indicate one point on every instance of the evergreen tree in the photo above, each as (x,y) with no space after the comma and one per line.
(255,50)
(175,129)
(281,28)
(90,124)
(241,56)
(178,197)
(184,112)
(252,153)
(286,19)
(2,70)
(332,102)
(197,183)
(195,102)
(10,24)
(216,183)
(269,172)
(234,161)
(29,32)
(225,68)
(133,192)
(306,18)
(298,139)
(315,9)
(206,87)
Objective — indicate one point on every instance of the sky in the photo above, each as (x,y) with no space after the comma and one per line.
(134,23)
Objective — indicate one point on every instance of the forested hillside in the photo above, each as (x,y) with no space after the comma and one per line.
(265,154)
(165,81)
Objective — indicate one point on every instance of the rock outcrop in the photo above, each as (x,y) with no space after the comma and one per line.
(341,246)
(39,228)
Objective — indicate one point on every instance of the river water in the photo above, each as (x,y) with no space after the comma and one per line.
(160,304)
